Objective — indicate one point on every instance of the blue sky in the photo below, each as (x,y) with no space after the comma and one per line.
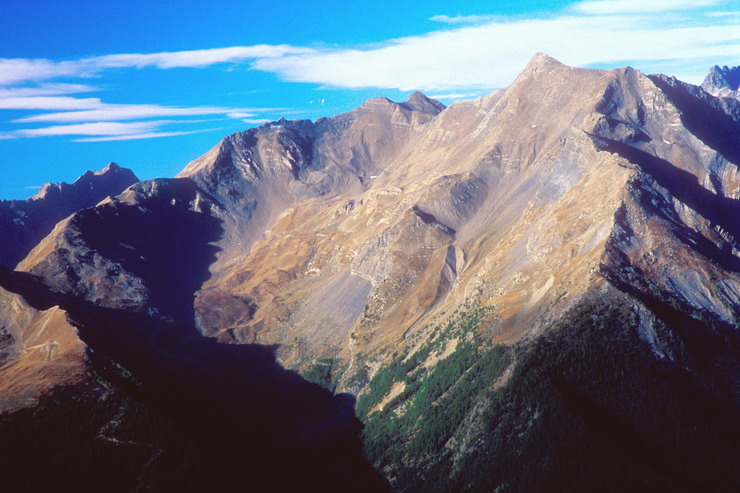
(154,84)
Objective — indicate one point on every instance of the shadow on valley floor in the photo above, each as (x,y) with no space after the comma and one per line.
(261,427)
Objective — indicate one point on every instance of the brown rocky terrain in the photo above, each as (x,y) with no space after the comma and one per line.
(535,290)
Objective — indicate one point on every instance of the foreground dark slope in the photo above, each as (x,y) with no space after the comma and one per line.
(533,291)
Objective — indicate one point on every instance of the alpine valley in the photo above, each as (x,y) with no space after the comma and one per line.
(537,290)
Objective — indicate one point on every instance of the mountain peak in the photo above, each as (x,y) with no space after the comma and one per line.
(723,82)
(112,167)
(722,79)
(416,102)
(419,102)
(540,62)
(378,104)
(110,180)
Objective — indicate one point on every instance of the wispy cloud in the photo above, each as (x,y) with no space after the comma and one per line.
(602,7)
(119,112)
(47,89)
(195,58)
(20,70)
(255,121)
(49,103)
(464,19)
(29,85)
(145,135)
(96,128)
(457,95)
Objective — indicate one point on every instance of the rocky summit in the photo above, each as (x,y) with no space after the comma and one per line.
(722,81)
(537,290)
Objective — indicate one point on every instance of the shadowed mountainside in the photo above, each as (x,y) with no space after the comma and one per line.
(128,295)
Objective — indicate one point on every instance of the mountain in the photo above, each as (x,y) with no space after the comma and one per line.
(722,81)
(535,290)
(28,221)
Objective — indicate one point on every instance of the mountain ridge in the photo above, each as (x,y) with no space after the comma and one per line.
(29,221)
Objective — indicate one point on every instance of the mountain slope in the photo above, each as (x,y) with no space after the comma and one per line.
(124,289)
(536,290)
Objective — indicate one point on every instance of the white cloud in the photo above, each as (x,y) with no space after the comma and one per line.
(49,103)
(602,7)
(118,112)
(96,128)
(140,136)
(464,19)
(91,116)
(48,89)
(194,58)
(110,131)
(14,71)
(255,121)
(240,114)
(17,70)
(466,95)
